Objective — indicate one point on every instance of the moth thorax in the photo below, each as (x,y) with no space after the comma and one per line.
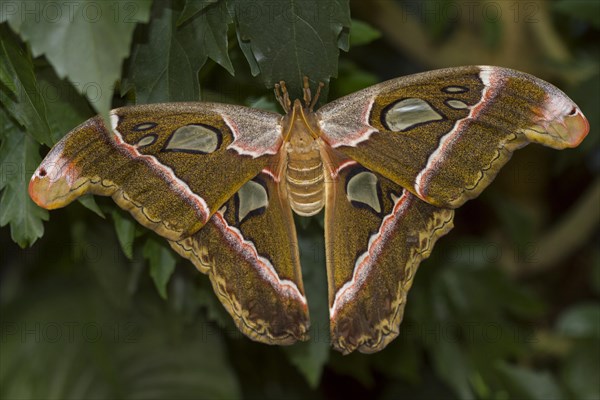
(304,178)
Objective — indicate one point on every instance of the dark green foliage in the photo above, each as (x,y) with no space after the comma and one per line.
(92,310)
(164,63)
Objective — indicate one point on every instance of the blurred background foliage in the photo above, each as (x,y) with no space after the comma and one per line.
(93,306)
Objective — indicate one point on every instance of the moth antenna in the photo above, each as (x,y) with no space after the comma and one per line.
(306,91)
(316,98)
(282,96)
(278,96)
(286,96)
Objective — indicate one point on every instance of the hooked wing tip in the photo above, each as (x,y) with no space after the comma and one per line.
(562,128)
(577,128)
(42,190)
(564,121)
(36,192)
(51,185)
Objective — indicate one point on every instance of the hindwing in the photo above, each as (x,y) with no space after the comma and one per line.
(376,234)
(250,252)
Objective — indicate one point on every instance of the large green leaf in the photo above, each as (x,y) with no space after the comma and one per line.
(65,107)
(125,229)
(193,7)
(7,72)
(164,63)
(66,342)
(85,41)
(25,103)
(18,159)
(290,39)
(162,264)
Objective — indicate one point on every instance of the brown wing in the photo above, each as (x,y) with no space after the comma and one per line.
(376,234)
(445,134)
(171,165)
(250,252)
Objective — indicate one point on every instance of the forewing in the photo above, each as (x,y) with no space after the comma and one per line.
(171,165)
(444,135)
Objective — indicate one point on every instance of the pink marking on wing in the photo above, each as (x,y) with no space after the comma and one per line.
(255,146)
(264,267)
(164,171)
(352,138)
(366,261)
(267,171)
(423,179)
(345,164)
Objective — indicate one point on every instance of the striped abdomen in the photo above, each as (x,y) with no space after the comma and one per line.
(304,178)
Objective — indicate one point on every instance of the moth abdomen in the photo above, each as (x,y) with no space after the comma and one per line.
(304,179)
(304,174)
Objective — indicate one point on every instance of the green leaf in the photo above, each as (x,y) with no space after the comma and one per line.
(26,104)
(88,201)
(193,7)
(523,383)
(76,346)
(19,157)
(362,33)
(66,108)
(125,228)
(162,264)
(581,321)
(289,39)
(85,41)
(164,65)
(7,73)
(246,47)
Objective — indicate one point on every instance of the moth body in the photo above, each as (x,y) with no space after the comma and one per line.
(304,174)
